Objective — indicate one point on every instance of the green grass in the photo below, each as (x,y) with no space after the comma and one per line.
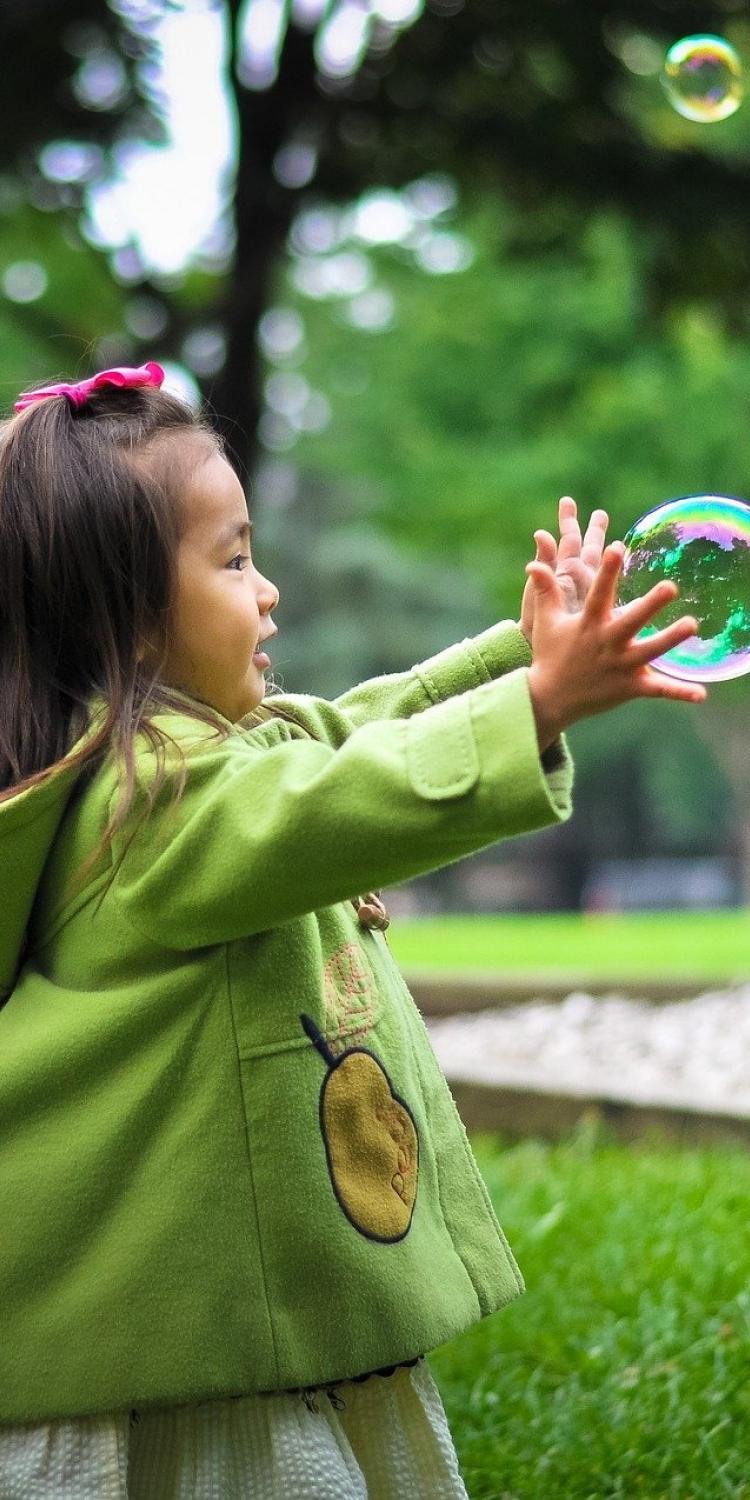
(624,1371)
(713,944)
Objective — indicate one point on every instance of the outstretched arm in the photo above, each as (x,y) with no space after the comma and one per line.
(398,695)
(267,832)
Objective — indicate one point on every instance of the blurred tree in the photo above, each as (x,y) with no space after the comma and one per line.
(596,348)
(493,408)
(530,98)
(504,385)
(69,74)
(352,605)
(334,96)
(72,72)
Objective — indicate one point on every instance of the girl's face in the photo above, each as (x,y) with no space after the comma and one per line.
(223,603)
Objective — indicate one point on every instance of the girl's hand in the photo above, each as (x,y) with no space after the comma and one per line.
(575,561)
(589,662)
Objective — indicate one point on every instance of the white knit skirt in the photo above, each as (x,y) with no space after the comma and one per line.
(386,1438)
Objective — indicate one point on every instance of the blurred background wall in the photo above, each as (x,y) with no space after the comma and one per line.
(431,264)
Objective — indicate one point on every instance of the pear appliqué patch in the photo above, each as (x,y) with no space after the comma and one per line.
(371,1141)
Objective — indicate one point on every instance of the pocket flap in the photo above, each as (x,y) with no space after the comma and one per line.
(441,752)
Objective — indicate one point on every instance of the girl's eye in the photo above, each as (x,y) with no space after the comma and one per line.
(239,558)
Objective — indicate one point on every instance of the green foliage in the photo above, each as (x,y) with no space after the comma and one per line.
(622,1372)
(518,380)
(52,336)
(672,792)
(521,378)
(351,604)
(595,345)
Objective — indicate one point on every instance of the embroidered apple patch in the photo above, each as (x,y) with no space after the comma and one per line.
(371,1141)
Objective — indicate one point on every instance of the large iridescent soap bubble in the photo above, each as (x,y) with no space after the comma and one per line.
(701,543)
(702,77)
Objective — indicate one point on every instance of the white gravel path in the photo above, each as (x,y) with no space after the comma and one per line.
(691,1054)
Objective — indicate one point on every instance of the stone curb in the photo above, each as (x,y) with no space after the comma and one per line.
(527,1109)
(451,992)
(522,1112)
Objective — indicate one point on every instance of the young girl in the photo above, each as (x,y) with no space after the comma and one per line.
(239,1206)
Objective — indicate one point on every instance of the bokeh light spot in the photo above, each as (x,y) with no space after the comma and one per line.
(24,281)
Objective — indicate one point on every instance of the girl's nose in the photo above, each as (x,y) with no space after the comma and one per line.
(268,594)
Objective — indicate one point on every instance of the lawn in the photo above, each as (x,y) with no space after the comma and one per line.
(624,1370)
(713,945)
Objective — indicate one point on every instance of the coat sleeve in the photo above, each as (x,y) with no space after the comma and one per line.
(397,695)
(267,832)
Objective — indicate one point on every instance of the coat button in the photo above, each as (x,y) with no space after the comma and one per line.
(371,911)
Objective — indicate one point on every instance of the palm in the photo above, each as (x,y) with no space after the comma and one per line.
(574,560)
(575,578)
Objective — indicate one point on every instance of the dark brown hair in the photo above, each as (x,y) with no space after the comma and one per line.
(90,522)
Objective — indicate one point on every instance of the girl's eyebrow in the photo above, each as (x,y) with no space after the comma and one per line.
(237,528)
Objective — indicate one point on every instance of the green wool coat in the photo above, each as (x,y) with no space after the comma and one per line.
(229,1158)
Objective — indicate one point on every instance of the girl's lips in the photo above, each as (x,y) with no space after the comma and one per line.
(261,659)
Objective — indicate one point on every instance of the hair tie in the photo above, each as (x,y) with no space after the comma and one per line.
(122,375)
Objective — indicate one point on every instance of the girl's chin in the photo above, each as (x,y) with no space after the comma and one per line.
(255,689)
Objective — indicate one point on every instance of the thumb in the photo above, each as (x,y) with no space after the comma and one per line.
(546,587)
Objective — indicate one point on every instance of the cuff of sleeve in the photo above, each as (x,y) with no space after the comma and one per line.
(542,795)
(474,661)
(554,756)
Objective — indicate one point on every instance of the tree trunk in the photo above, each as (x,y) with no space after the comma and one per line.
(264,210)
(725,730)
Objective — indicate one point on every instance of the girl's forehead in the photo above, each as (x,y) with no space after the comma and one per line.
(213,494)
(175,455)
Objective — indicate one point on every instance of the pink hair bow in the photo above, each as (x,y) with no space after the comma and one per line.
(123,375)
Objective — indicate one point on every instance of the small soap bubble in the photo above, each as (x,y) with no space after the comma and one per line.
(701,543)
(702,77)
